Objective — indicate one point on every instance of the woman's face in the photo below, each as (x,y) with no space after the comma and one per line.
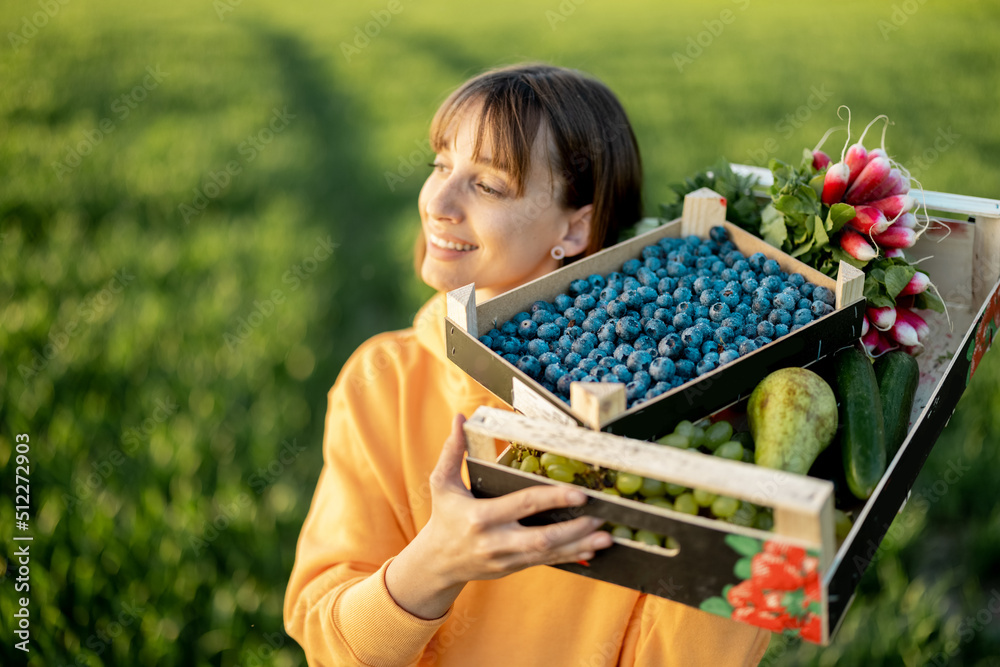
(476,228)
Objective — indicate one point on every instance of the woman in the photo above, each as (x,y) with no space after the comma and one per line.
(397,563)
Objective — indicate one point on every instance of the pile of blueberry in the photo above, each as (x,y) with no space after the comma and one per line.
(685,308)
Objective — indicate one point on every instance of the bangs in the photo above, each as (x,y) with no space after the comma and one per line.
(507,113)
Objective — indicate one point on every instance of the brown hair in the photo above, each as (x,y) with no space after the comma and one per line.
(594,150)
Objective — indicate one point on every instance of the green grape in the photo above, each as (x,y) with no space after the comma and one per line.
(744,438)
(747,455)
(559,473)
(764,520)
(697,437)
(684,428)
(514,463)
(675,440)
(842,524)
(651,488)
(744,516)
(724,507)
(530,464)
(660,502)
(704,498)
(716,434)
(675,489)
(670,543)
(623,532)
(553,459)
(611,491)
(648,537)
(731,450)
(579,467)
(628,483)
(685,503)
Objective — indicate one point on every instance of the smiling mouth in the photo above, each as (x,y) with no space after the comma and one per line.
(450,245)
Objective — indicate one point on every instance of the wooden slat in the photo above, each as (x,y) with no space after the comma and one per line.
(596,403)
(850,284)
(986,262)
(703,209)
(462,308)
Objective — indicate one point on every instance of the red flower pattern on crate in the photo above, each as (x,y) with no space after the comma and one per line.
(780,590)
(987,330)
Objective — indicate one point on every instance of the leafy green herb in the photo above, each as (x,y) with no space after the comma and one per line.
(742,207)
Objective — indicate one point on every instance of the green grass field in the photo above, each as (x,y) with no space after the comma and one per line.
(204,208)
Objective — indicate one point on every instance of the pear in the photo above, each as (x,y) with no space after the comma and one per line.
(793,417)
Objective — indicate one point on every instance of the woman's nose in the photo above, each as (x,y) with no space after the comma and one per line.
(444,202)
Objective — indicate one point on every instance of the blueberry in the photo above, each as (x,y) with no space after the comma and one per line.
(747,346)
(652,251)
(575,315)
(749,285)
(739,340)
(728,356)
(681,294)
(561,322)
(664,301)
(537,347)
(622,352)
(646,294)
(593,324)
(761,341)
(771,283)
(562,302)
(665,315)
(543,317)
(802,316)
(803,303)
(630,267)
(709,346)
(734,321)
(597,281)
(639,360)
(606,347)
(634,391)
(707,297)
(578,287)
(621,373)
(729,274)
(644,342)
(512,358)
(771,268)
(740,266)
(546,359)
(607,332)
(520,317)
(701,284)
(806,289)
(724,335)
(692,354)
(587,365)
(563,383)
(731,296)
(554,372)
(684,368)
(584,302)
(704,366)
(718,312)
(657,389)
(687,282)
(529,365)
(760,305)
(765,328)
(573,332)
(609,294)
(508,329)
(585,343)
(671,346)
(744,308)
(598,372)
(823,294)
(780,317)
(820,308)
(646,277)
(796,280)
(488,341)
(616,309)
(756,261)
(700,312)
(661,369)
(628,328)
(510,345)
(647,311)
(784,301)
(780,330)
(692,337)
(682,321)
(616,280)
(718,234)
(655,329)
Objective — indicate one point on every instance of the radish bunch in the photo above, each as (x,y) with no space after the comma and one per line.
(886,328)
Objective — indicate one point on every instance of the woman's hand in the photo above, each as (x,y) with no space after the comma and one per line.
(468,538)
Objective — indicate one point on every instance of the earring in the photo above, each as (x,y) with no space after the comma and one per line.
(557,252)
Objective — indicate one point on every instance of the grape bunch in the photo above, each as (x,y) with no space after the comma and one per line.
(716,438)
(685,307)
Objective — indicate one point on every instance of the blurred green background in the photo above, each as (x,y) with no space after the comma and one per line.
(205,207)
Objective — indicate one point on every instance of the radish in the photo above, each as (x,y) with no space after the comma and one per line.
(883,345)
(865,326)
(881,318)
(897,237)
(907,220)
(871,340)
(918,283)
(901,187)
(835,183)
(918,323)
(894,253)
(857,246)
(913,350)
(889,186)
(878,152)
(820,160)
(904,333)
(868,220)
(856,159)
(893,205)
(869,180)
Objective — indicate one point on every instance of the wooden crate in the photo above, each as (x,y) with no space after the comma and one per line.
(712,555)
(603,409)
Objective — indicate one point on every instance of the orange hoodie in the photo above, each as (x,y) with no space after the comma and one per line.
(388,415)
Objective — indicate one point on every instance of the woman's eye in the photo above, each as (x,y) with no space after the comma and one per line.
(492,192)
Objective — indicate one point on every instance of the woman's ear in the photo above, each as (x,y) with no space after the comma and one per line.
(577,236)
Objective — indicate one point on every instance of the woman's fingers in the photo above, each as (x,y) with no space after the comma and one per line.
(531,500)
(562,542)
(447,474)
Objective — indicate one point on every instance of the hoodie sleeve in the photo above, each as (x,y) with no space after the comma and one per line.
(337,606)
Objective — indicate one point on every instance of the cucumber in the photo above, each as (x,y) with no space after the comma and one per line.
(862,435)
(897,374)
